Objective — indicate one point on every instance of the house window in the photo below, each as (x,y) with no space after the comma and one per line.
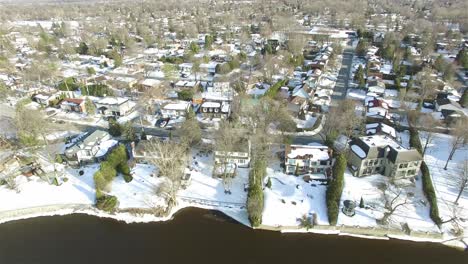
(292,162)
(323,162)
(411,172)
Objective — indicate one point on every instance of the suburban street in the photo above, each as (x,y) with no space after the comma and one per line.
(341,85)
(339,92)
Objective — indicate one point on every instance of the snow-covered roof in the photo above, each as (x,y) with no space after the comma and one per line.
(358,151)
(150,82)
(177,106)
(112,100)
(314,152)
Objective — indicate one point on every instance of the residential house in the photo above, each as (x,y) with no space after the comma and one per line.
(215,109)
(303,159)
(175,109)
(89,148)
(380,129)
(239,155)
(46,99)
(73,105)
(377,87)
(381,154)
(114,106)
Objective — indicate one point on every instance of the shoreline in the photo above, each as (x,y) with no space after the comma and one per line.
(232,213)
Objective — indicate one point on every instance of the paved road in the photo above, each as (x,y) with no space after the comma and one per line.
(341,86)
(339,92)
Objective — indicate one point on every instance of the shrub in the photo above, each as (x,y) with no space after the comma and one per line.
(268,185)
(335,188)
(127,177)
(99,181)
(58,158)
(55,182)
(106,202)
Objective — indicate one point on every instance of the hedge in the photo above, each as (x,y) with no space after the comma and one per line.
(335,188)
(255,201)
(428,187)
(429,191)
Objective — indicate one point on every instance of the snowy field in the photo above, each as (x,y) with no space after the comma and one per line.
(445,183)
(290,198)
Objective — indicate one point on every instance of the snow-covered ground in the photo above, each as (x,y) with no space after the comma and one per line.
(445,183)
(290,198)
(307,123)
(415,213)
(77,193)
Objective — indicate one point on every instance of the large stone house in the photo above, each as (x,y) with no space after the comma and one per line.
(380,154)
(303,159)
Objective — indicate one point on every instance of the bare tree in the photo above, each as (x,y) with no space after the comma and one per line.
(459,138)
(427,84)
(429,122)
(462,180)
(228,139)
(393,200)
(171,159)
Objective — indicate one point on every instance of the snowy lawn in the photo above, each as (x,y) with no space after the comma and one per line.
(141,191)
(415,213)
(203,186)
(34,192)
(290,198)
(444,181)
(76,189)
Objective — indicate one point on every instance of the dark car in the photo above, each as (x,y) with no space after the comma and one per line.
(162,122)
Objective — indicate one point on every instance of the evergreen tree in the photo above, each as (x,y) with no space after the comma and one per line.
(462,58)
(83,48)
(361,48)
(115,129)
(194,48)
(268,184)
(90,107)
(268,49)
(359,77)
(128,132)
(361,203)
(464,98)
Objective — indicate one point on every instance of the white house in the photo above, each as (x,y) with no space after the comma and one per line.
(114,106)
(312,158)
(175,109)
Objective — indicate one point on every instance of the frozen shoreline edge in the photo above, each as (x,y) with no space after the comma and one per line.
(128,218)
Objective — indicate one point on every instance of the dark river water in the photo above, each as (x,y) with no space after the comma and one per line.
(196,236)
